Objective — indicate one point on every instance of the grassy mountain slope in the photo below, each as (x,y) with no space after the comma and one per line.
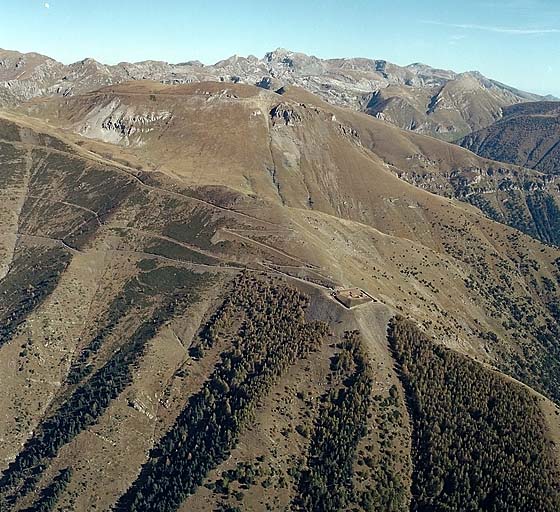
(152,234)
(303,143)
(300,158)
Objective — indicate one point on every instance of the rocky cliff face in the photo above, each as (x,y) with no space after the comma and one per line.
(416,97)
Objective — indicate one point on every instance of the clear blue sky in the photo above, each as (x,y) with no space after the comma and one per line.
(515,41)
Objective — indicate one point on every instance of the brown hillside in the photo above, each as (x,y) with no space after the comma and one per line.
(169,259)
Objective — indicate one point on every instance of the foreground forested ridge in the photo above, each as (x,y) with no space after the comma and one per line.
(92,397)
(479,440)
(327,482)
(271,335)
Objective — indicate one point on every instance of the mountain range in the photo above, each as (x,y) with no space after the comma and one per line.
(418,97)
(246,287)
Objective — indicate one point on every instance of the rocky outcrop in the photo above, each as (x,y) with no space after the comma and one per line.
(122,124)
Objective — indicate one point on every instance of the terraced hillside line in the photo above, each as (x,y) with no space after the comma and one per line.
(89,401)
(479,440)
(67,203)
(15,169)
(69,189)
(48,239)
(195,253)
(133,174)
(271,336)
(265,246)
